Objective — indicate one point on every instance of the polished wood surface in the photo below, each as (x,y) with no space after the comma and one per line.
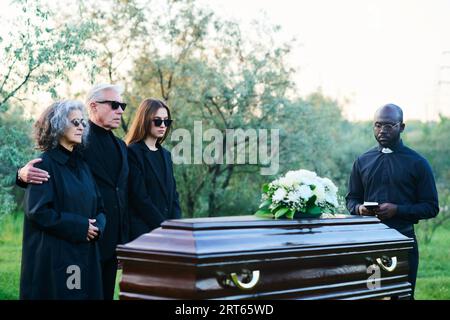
(294,259)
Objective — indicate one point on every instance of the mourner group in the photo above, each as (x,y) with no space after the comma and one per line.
(90,191)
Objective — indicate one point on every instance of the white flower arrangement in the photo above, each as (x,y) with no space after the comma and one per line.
(300,191)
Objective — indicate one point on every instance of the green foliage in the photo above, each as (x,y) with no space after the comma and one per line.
(433,279)
(37,53)
(16,148)
(11,249)
(206,70)
(431,140)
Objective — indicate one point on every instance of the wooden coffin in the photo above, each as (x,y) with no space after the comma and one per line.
(247,257)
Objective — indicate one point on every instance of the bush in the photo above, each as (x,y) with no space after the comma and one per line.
(16,149)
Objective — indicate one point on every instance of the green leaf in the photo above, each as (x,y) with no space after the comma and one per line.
(263,211)
(265,204)
(265,188)
(264,214)
(278,207)
(310,202)
(290,214)
(314,210)
(281,212)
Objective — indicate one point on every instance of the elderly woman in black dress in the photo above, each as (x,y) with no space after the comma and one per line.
(63,217)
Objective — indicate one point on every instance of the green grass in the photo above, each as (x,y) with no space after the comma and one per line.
(433,282)
(433,279)
(10,256)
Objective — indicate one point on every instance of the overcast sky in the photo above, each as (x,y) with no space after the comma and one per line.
(365,52)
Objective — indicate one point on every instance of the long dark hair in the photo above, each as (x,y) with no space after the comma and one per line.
(140,127)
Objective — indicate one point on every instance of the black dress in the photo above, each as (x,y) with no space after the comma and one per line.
(58,262)
(153,195)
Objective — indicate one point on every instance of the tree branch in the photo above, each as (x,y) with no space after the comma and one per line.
(27,77)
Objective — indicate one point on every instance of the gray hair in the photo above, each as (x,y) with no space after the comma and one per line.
(96,92)
(54,121)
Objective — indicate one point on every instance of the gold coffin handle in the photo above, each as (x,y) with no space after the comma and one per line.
(387,268)
(248,285)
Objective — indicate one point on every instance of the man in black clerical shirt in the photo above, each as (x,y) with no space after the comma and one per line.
(106,156)
(396,177)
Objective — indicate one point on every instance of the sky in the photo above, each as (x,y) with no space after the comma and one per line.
(364,53)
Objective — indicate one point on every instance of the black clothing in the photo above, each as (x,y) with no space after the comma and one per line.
(109,272)
(108,146)
(103,147)
(158,161)
(153,194)
(106,156)
(402,177)
(413,260)
(55,231)
(105,152)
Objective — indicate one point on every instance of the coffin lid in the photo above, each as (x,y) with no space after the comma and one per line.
(219,236)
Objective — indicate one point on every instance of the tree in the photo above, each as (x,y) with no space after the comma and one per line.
(36,53)
(121,32)
(207,71)
(431,140)
(16,148)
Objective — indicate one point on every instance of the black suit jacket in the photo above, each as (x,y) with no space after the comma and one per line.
(114,194)
(153,195)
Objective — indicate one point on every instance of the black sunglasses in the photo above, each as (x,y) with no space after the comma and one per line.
(159,122)
(115,104)
(77,122)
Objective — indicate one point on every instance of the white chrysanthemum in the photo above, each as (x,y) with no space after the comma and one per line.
(319,192)
(288,182)
(279,195)
(305,192)
(308,177)
(295,175)
(274,184)
(294,196)
(332,199)
(329,185)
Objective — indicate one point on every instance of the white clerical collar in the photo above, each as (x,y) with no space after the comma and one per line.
(386,150)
